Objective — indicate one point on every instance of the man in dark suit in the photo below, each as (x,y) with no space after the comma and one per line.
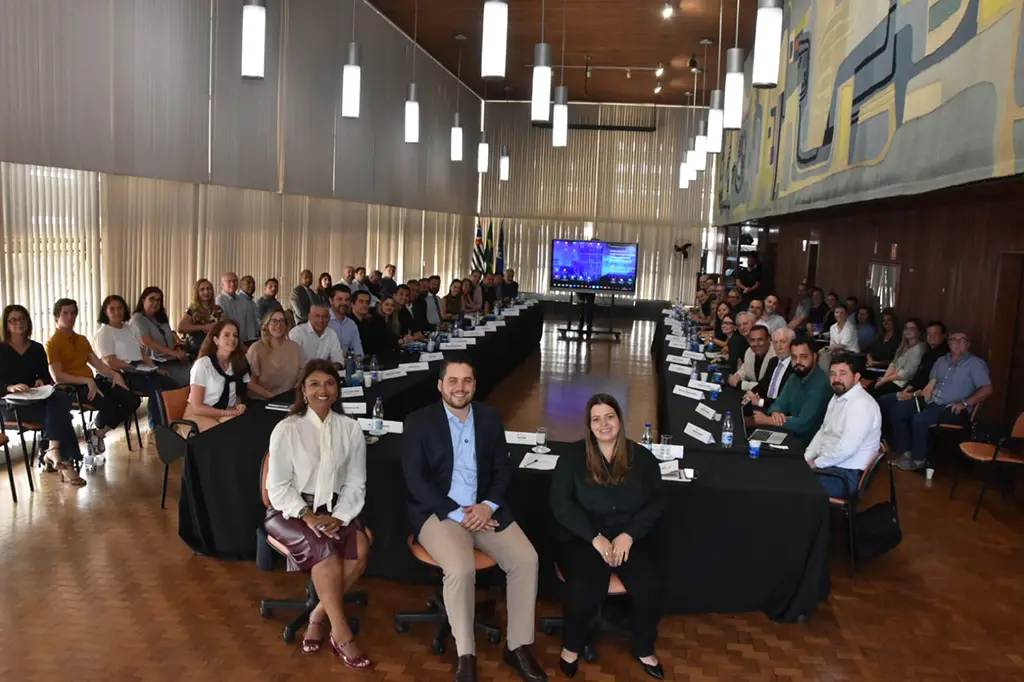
(457,469)
(775,374)
(509,286)
(303,297)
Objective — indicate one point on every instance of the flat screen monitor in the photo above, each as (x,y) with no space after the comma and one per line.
(593,266)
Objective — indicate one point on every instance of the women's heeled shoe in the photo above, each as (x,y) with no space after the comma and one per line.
(569,669)
(361,662)
(655,671)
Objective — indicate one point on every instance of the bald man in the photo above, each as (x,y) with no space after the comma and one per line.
(239,308)
(303,297)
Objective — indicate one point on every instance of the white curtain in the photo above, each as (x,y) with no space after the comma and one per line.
(51,243)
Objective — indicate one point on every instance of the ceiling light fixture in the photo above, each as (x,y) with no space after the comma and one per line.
(483,149)
(667,11)
(254,38)
(684,169)
(503,164)
(733,117)
(767,44)
(657,88)
(717,112)
(560,112)
(495,39)
(658,72)
(456,125)
(412,105)
(351,75)
(700,162)
(540,101)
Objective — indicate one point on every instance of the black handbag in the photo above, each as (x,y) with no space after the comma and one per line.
(877,529)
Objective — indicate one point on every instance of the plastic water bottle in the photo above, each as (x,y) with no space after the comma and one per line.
(648,439)
(374,368)
(432,342)
(358,371)
(350,369)
(378,416)
(727,430)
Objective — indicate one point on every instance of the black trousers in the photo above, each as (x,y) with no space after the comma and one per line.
(586,587)
(587,312)
(113,407)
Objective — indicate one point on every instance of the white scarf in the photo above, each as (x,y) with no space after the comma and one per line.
(324,494)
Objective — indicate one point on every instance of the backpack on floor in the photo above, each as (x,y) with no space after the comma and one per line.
(878,527)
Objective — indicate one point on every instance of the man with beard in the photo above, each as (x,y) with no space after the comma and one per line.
(268,302)
(847,441)
(801,405)
(457,470)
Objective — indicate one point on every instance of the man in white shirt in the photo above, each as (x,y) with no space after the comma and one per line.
(239,308)
(433,302)
(771,317)
(842,337)
(316,339)
(755,360)
(848,439)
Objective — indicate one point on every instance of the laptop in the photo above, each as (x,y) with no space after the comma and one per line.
(766,436)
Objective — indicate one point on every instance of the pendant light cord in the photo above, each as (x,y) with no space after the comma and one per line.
(543,7)
(353,21)
(737,43)
(718,68)
(704,83)
(458,79)
(564,4)
(416,35)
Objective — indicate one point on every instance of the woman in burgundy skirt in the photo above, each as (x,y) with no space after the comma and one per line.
(316,481)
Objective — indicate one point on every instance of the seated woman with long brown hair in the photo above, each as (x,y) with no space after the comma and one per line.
(607,496)
(218,378)
(316,481)
(203,312)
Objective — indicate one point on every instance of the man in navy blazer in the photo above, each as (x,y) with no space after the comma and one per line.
(457,469)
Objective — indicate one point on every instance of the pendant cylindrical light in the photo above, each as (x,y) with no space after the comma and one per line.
(456,139)
(540,102)
(503,164)
(483,154)
(715,114)
(412,116)
(700,147)
(495,39)
(351,81)
(732,117)
(254,38)
(767,44)
(684,176)
(560,118)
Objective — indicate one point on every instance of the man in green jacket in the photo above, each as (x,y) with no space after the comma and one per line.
(801,405)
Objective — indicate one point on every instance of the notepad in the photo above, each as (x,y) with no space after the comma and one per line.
(539,462)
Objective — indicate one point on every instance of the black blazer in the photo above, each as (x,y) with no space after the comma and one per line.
(762,386)
(419,315)
(301,300)
(428,461)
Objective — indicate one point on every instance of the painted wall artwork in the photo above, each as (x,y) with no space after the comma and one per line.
(879,98)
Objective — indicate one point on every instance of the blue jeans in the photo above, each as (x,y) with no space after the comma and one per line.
(840,487)
(910,427)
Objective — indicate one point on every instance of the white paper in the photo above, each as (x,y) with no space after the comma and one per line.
(520,438)
(431,357)
(667,452)
(454,345)
(687,475)
(279,407)
(414,366)
(681,369)
(679,359)
(693,355)
(491,327)
(512,312)
(354,408)
(703,385)
(469,341)
(389,426)
(667,311)
(700,434)
(669,467)
(352,392)
(706,412)
(144,369)
(679,344)
(501,323)
(539,462)
(688,392)
(31,395)
(392,374)
(474,333)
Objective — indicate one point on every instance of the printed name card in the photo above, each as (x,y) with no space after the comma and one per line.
(700,434)
(454,345)
(706,412)
(669,469)
(667,311)
(693,355)
(469,341)
(392,374)
(679,344)
(688,392)
(431,357)
(679,359)
(414,366)
(668,453)
(491,327)
(681,369)
(501,323)
(703,385)
(532,302)
(389,426)
(354,408)
(352,392)
(520,438)
(512,312)
(474,333)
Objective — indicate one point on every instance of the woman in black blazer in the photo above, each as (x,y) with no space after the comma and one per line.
(607,497)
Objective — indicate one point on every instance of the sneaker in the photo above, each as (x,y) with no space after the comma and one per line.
(898,460)
(96,442)
(911,464)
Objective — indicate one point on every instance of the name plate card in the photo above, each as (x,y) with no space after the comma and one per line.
(475,333)
(680,344)
(512,312)
(414,366)
(688,392)
(520,438)
(667,453)
(491,327)
(454,345)
(389,426)
(681,369)
(679,359)
(704,385)
(352,392)
(431,357)
(706,412)
(667,311)
(700,434)
(392,374)
(354,408)
(501,323)
(693,355)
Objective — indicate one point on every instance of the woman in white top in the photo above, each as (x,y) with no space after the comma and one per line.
(121,348)
(907,360)
(842,337)
(316,483)
(218,378)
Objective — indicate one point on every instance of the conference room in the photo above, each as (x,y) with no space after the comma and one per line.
(511,339)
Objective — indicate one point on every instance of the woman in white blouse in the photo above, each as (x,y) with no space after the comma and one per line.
(842,336)
(121,348)
(218,378)
(316,482)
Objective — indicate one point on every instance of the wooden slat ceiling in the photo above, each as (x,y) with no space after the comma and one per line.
(605,33)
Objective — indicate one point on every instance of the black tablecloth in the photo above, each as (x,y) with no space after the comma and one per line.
(220,505)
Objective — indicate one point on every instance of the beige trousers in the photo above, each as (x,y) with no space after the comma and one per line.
(452,546)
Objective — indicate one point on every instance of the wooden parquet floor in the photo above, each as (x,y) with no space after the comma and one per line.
(96,585)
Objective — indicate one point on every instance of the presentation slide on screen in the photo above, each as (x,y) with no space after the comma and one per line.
(593,265)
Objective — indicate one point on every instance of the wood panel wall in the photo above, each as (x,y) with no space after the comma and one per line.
(948,244)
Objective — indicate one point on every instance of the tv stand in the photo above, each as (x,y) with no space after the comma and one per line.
(569,333)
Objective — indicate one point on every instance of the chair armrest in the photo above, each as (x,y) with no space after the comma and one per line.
(192,427)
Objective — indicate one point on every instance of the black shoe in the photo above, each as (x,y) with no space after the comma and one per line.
(655,671)
(522,660)
(465,669)
(569,669)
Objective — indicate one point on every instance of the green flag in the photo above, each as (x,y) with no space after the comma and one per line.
(489,249)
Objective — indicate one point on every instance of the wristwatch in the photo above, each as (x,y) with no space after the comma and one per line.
(304,511)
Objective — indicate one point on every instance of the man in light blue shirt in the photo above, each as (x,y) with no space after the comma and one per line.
(239,308)
(345,328)
(464,484)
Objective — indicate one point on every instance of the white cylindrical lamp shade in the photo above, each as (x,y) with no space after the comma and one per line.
(560,118)
(254,38)
(503,164)
(412,116)
(715,116)
(351,82)
(456,139)
(540,101)
(684,176)
(483,154)
(495,39)
(700,148)
(767,44)
(733,105)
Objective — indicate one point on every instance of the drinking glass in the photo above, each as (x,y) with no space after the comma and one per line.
(542,439)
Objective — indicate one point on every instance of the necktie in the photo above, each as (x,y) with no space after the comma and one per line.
(773,387)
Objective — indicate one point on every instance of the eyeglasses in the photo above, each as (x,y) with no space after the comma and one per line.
(958,339)
(730,322)
(275,321)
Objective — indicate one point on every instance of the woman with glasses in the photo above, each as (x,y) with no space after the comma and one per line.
(202,314)
(275,361)
(23,366)
(906,361)
(150,322)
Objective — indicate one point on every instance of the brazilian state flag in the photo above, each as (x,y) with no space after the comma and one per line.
(489,249)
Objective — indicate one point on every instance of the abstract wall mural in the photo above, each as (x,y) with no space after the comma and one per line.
(879,98)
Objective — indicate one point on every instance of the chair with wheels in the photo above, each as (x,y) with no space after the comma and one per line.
(303,606)
(851,506)
(1009,450)
(601,625)
(173,432)
(436,613)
